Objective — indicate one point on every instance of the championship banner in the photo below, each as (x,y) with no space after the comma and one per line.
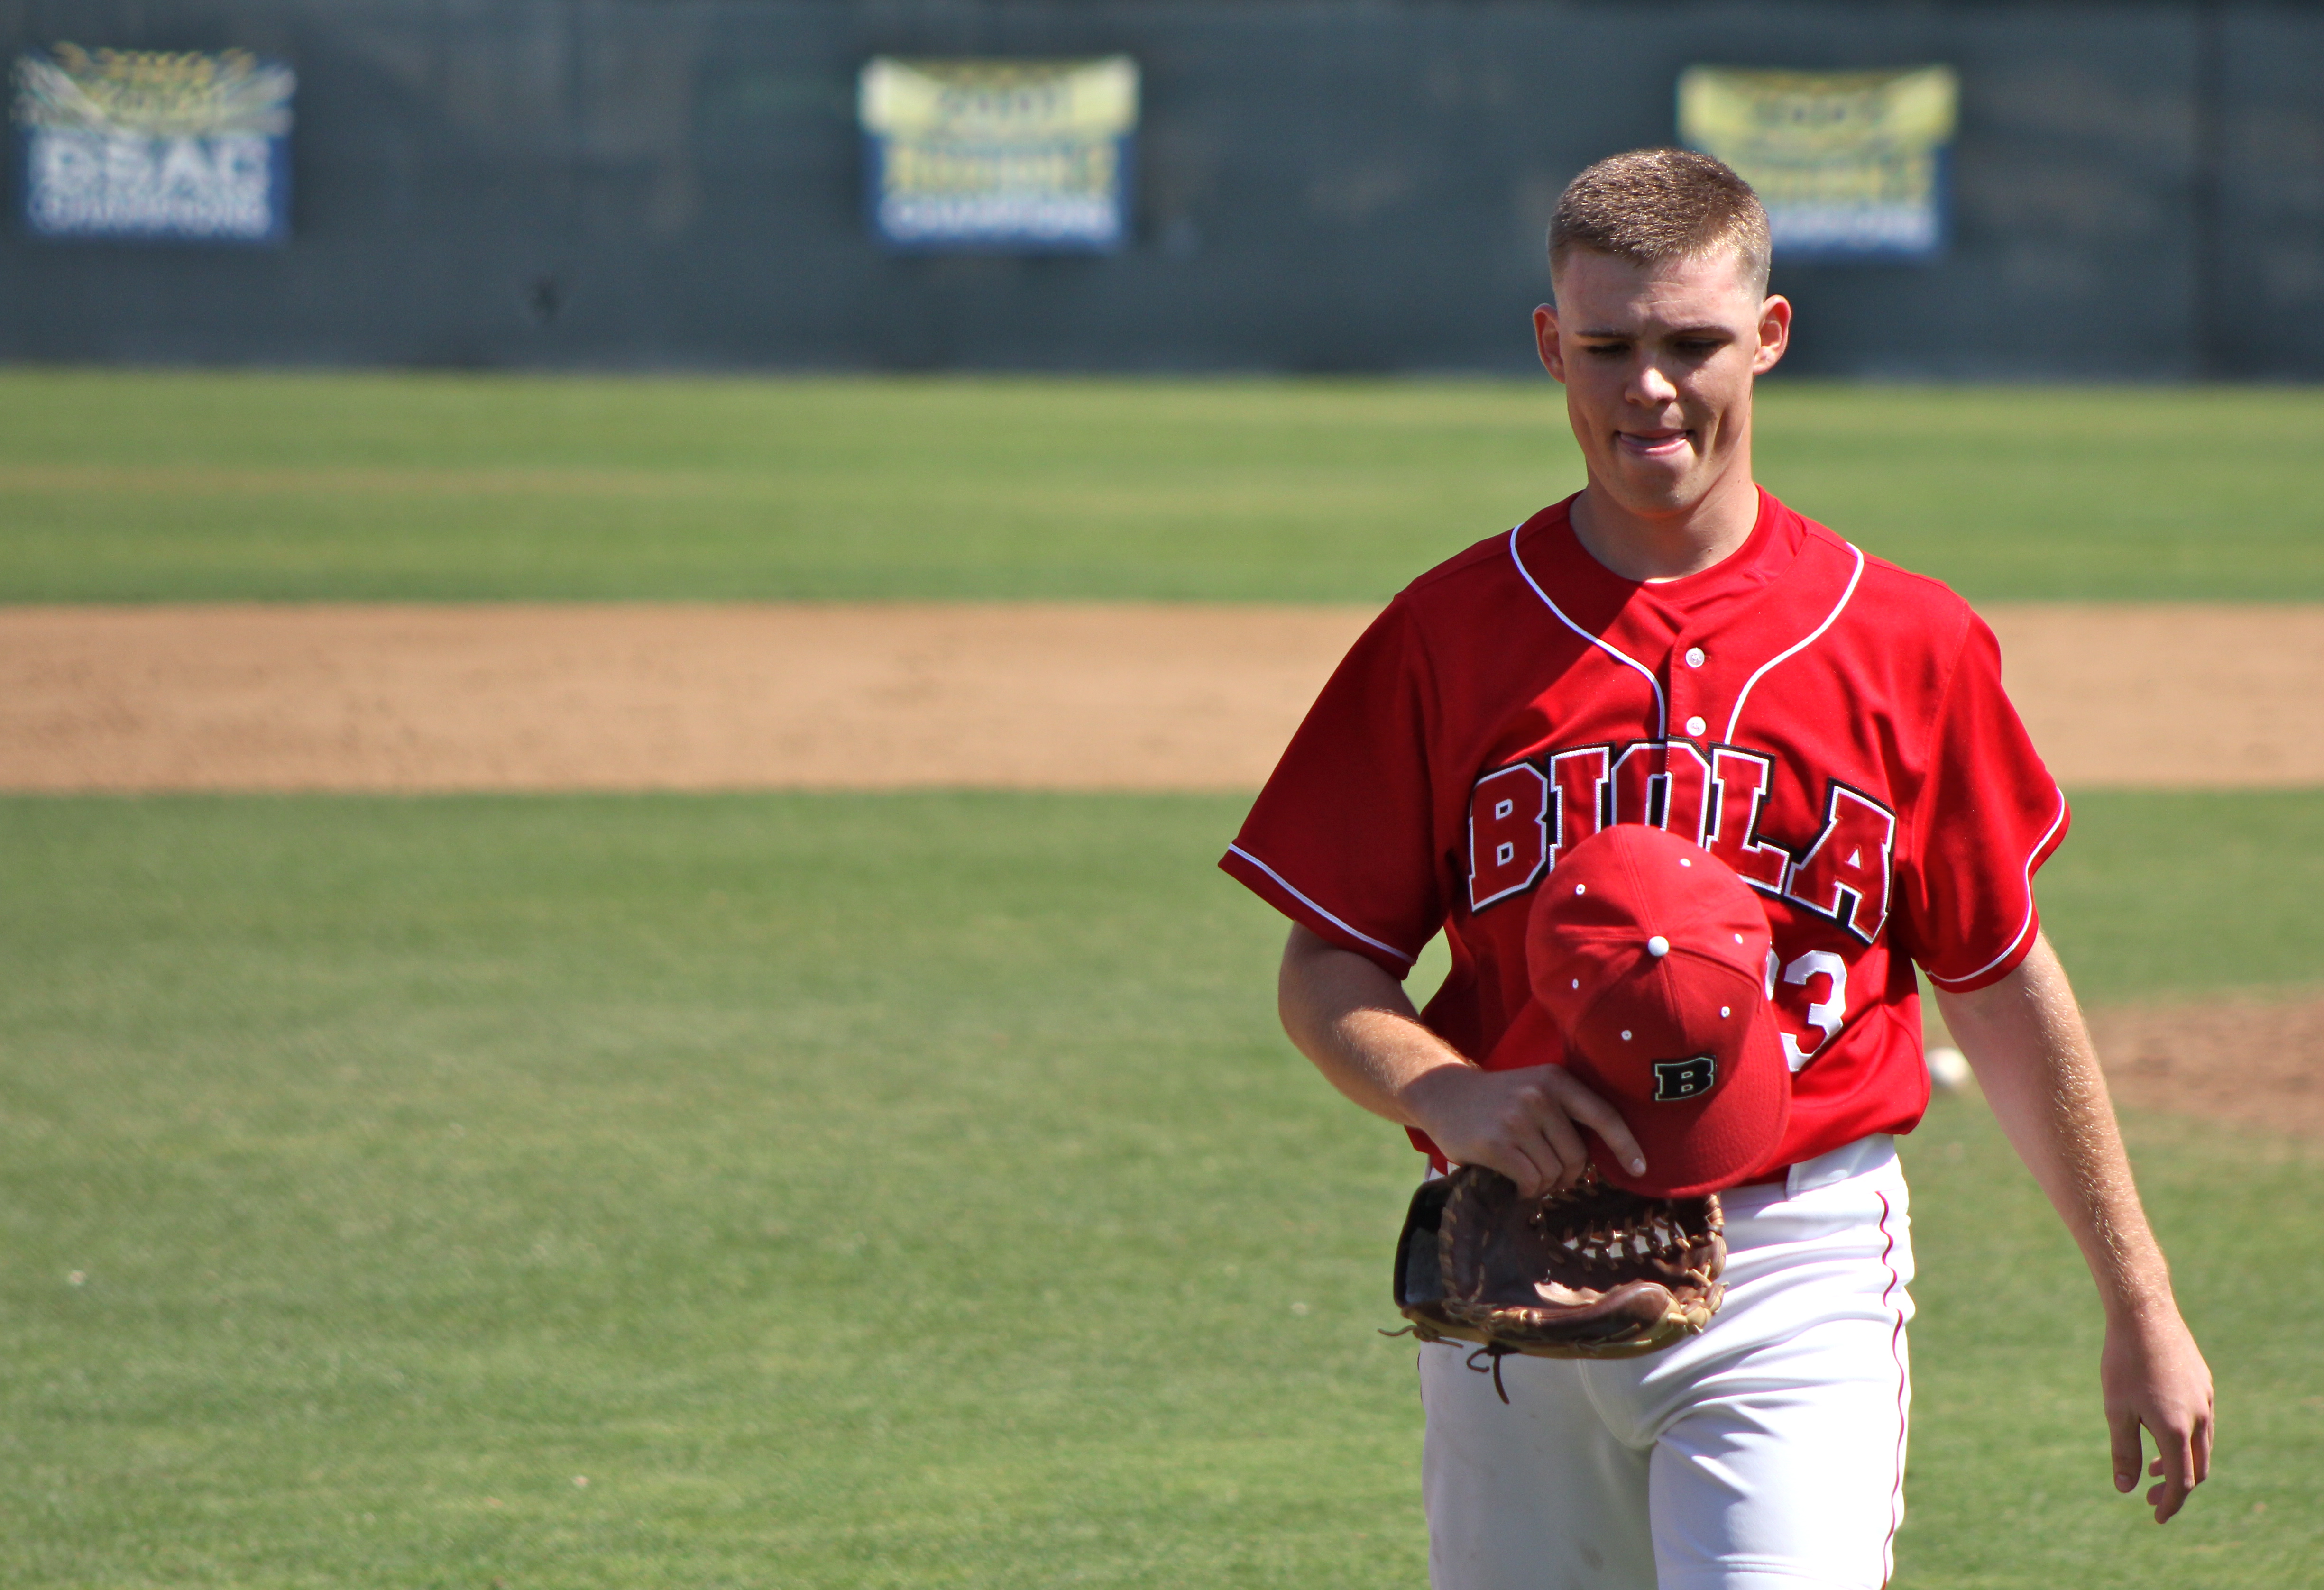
(1850,165)
(1020,156)
(154,146)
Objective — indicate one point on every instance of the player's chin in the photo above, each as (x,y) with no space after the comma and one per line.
(1658,484)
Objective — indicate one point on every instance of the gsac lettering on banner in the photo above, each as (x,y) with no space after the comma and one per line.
(1850,165)
(1020,156)
(179,146)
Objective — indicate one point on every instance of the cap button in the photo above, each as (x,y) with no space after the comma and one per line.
(1658,946)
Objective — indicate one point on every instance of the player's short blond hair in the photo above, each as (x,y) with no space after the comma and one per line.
(1653,205)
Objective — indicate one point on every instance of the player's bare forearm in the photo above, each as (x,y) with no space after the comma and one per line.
(1355,1023)
(1358,1025)
(2025,1039)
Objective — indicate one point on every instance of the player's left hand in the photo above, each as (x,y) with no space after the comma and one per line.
(2153,1377)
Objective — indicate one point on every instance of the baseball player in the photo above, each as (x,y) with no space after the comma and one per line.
(1673,646)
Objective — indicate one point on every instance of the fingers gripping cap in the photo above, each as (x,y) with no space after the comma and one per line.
(1651,956)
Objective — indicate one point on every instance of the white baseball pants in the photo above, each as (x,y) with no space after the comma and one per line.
(1765,1453)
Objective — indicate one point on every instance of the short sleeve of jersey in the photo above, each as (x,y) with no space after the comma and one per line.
(1988,815)
(1341,838)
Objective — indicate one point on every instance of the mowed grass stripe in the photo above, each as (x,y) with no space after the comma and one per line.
(887,1190)
(148,486)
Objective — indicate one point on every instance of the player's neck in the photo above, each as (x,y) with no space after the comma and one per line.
(1653,546)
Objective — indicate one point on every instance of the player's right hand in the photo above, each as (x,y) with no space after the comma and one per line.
(1525,1124)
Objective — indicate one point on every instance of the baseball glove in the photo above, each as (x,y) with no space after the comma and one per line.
(1590,1273)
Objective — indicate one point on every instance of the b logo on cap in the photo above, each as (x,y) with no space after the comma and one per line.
(1676,1079)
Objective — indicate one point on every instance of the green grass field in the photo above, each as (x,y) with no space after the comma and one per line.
(902,1191)
(915,1190)
(138,487)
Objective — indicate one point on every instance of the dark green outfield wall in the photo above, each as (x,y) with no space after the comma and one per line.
(1323,187)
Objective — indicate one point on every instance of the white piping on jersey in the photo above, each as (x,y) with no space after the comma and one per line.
(1318,910)
(1662,709)
(1735,716)
(2027,925)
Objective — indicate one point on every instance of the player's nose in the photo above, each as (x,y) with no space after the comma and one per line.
(1652,386)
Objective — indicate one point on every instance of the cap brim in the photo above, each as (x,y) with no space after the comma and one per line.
(1691,1149)
(1707,1144)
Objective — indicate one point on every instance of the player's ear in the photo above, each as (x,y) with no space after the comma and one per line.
(1544,338)
(1774,333)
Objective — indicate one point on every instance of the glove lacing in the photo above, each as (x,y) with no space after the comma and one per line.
(1495,1352)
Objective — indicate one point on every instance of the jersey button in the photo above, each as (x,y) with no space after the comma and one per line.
(1694,656)
(1696,726)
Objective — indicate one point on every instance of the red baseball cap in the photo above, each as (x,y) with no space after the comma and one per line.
(1651,955)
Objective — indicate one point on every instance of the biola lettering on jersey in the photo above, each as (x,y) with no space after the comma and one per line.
(1521,816)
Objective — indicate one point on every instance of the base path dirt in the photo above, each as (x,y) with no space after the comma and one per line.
(1010,696)
(656,697)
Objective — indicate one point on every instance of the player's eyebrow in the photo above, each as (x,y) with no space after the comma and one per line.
(1709,329)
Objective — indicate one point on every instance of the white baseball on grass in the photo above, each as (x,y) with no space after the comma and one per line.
(1948,1070)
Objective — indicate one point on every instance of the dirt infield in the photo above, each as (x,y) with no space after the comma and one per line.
(1011,695)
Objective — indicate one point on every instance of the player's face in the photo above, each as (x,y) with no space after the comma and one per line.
(1657,362)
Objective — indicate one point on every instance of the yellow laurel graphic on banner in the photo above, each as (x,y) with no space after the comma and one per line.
(978,101)
(154,93)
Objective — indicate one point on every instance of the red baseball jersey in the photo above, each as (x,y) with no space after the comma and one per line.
(1831,726)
